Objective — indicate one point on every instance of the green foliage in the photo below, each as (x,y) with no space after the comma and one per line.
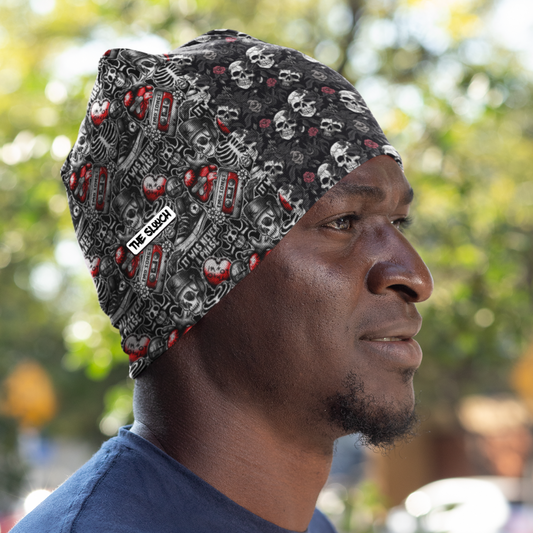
(358,509)
(118,408)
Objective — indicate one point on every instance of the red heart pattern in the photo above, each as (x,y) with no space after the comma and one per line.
(217,271)
(93,265)
(136,346)
(154,186)
(99,111)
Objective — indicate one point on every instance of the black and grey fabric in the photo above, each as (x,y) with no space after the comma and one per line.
(191,166)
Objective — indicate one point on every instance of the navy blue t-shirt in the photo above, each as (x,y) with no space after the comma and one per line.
(132,486)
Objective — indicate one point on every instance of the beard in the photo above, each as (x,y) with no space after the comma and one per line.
(380,424)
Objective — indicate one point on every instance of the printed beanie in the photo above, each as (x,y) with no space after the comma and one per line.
(189,167)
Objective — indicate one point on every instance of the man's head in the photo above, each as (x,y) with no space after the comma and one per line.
(320,336)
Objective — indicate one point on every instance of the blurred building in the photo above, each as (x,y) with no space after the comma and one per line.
(488,436)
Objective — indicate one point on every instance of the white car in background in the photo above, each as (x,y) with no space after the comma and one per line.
(484,504)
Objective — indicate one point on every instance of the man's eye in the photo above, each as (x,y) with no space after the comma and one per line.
(342,223)
(402,223)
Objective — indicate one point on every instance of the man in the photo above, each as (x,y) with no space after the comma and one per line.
(261,284)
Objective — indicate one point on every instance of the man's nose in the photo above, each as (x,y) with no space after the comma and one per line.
(403,271)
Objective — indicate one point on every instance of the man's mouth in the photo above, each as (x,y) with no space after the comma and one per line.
(390,339)
(403,330)
(394,342)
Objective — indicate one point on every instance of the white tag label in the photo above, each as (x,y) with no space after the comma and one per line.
(151,230)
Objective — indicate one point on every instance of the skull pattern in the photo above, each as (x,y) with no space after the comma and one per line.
(190,299)
(288,77)
(261,55)
(132,215)
(115,77)
(346,155)
(273,168)
(269,224)
(352,102)
(240,75)
(303,102)
(227,114)
(331,127)
(326,175)
(285,125)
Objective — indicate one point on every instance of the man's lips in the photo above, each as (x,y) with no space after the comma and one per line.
(395,343)
(403,353)
(390,339)
(398,330)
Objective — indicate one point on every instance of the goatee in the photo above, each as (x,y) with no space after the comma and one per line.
(379,424)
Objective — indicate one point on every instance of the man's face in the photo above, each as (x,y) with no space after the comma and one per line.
(319,336)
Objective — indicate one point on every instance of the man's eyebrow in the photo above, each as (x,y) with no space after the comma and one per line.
(353,189)
(367,191)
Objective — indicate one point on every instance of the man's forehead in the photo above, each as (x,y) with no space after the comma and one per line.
(377,179)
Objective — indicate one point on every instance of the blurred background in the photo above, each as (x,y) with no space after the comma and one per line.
(451,83)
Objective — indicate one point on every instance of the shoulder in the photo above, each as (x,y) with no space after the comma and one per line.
(320,524)
(100,482)
(130,486)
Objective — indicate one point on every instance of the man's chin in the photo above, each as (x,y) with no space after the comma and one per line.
(380,423)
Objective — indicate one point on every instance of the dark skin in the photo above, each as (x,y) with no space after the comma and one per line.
(244,400)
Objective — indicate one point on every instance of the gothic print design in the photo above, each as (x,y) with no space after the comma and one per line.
(238,138)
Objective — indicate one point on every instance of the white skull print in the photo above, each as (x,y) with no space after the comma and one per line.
(303,102)
(351,102)
(227,114)
(182,60)
(133,214)
(345,155)
(326,175)
(260,55)
(390,150)
(240,75)
(331,127)
(190,299)
(204,144)
(269,224)
(167,152)
(273,168)
(285,125)
(115,77)
(287,77)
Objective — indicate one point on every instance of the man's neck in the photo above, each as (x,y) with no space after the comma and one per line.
(268,470)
